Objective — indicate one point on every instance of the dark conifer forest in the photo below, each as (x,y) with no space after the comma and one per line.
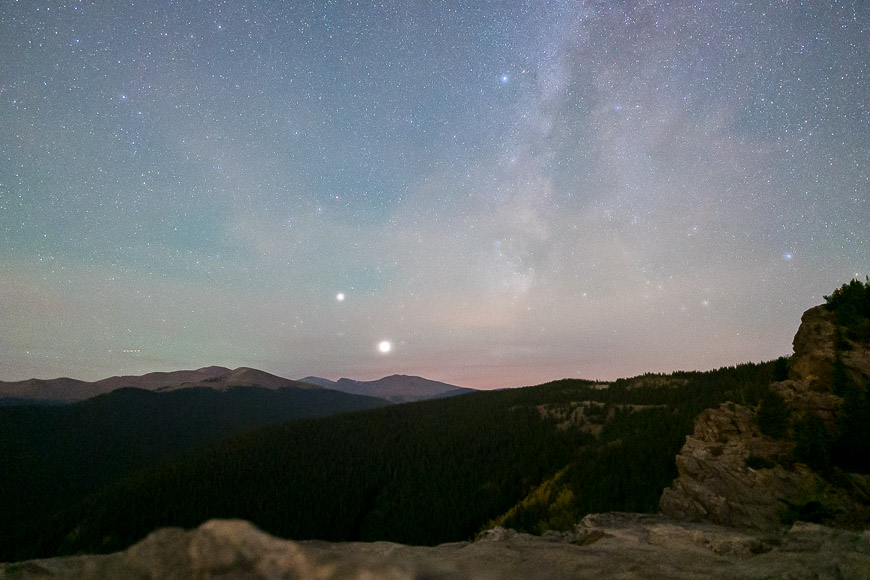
(418,473)
(52,457)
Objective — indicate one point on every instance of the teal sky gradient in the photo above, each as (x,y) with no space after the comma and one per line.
(509,192)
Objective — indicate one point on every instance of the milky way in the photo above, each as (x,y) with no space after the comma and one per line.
(502,193)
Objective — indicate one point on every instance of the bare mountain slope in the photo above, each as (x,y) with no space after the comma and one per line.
(155,381)
(394,388)
(70,390)
(67,390)
(244,377)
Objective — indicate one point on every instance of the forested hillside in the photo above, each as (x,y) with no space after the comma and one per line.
(421,473)
(54,457)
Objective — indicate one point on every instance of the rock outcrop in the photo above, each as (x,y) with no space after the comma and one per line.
(732,474)
(601,546)
(716,484)
(818,343)
(814,347)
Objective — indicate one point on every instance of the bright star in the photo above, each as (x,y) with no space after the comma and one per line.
(340,296)
(505,78)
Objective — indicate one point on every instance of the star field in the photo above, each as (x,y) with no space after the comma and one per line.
(502,193)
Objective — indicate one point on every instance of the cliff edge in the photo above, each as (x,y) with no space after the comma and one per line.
(794,456)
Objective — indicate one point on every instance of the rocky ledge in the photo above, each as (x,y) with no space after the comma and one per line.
(601,546)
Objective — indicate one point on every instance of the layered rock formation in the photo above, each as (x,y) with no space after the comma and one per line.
(732,474)
(601,546)
(816,345)
(717,485)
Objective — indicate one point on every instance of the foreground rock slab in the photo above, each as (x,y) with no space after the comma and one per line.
(602,546)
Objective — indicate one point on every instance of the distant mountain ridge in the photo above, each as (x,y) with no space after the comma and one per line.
(70,390)
(243,377)
(394,388)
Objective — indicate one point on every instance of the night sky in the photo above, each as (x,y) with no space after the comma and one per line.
(506,192)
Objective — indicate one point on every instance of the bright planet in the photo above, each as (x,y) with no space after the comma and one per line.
(526,190)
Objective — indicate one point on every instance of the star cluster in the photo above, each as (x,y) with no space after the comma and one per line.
(502,193)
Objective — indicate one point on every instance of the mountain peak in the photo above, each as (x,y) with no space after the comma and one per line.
(71,390)
(398,388)
(245,377)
